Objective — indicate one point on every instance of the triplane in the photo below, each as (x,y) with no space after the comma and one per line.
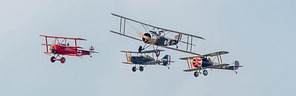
(141,59)
(202,62)
(60,47)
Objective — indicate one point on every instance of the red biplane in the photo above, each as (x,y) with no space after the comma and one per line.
(62,47)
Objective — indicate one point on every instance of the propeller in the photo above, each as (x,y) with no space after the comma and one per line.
(51,48)
(146,37)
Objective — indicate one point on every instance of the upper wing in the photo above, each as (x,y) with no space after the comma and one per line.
(157,27)
(62,37)
(215,53)
(126,35)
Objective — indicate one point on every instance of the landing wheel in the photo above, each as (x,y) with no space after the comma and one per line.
(140,49)
(205,72)
(63,60)
(134,69)
(196,74)
(52,59)
(141,68)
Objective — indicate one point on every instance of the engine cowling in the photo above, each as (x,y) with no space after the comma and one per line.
(196,61)
(146,37)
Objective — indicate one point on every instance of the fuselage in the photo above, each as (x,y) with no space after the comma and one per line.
(206,62)
(162,41)
(69,50)
(141,59)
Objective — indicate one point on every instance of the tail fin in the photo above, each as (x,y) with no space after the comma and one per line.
(166,60)
(236,65)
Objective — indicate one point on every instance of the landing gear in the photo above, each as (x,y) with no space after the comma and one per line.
(63,60)
(205,72)
(134,69)
(141,68)
(57,58)
(196,74)
(52,59)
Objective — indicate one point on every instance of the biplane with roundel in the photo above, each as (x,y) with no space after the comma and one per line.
(209,61)
(157,36)
(142,59)
(60,47)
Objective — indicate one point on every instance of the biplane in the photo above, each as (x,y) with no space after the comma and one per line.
(207,61)
(60,47)
(142,59)
(157,36)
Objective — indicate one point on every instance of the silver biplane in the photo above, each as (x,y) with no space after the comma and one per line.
(207,61)
(156,36)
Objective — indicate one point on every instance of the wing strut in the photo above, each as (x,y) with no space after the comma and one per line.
(188,63)
(191,44)
(187,43)
(46,44)
(122,25)
(75,42)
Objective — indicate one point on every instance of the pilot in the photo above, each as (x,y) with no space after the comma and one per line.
(147,56)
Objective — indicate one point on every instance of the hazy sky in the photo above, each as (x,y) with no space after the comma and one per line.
(258,33)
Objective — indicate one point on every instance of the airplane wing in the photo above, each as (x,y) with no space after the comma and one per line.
(62,37)
(127,62)
(71,46)
(193,69)
(126,35)
(145,51)
(186,58)
(215,53)
(148,63)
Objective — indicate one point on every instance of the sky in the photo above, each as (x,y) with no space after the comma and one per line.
(258,33)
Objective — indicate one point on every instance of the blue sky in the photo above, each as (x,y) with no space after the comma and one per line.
(258,33)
